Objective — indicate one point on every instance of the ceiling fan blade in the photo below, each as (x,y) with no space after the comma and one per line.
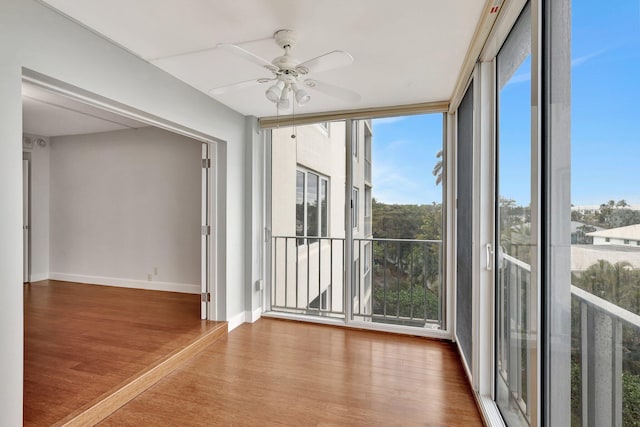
(248,56)
(328,61)
(239,85)
(331,90)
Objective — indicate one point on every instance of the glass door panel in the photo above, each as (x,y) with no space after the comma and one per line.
(515,334)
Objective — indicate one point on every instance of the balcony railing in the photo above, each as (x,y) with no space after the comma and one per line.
(605,350)
(394,281)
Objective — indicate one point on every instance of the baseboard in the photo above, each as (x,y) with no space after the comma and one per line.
(252,316)
(127,283)
(36,277)
(236,321)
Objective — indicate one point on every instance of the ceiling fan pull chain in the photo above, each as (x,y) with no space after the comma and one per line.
(293,135)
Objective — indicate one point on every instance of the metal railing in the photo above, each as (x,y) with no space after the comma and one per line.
(513,344)
(606,343)
(609,338)
(308,275)
(394,281)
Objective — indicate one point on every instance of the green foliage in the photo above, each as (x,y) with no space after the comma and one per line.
(406,275)
(406,221)
(405,298)
(618,283)
(630,400)
(609,215)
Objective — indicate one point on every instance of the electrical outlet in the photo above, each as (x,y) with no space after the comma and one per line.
(155,271)
(149,277)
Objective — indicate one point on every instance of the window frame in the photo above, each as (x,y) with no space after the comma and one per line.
(305,214)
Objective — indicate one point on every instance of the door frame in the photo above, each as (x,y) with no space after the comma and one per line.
(26,216)
(214,309)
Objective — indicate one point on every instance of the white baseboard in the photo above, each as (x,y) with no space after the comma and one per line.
(252,316)
(236,321)
(36,277)
(127,283)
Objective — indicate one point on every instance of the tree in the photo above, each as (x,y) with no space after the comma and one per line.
(438,169)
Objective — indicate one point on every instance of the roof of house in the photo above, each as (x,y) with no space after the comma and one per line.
(583,256)
(631,232)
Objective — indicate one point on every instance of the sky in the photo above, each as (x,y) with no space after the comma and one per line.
(403,156)
(605,121)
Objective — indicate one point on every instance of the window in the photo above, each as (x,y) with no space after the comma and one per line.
(606,239)
(355,212)
(367,210)
(626,241)
(312,191)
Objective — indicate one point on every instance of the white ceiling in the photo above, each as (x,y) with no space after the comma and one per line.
(48,114)
(406,51)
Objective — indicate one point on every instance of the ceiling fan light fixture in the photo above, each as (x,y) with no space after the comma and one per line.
(275,92)
(284,102)
(302,97)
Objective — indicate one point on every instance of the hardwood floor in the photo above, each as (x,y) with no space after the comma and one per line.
(82,341)
(277,372)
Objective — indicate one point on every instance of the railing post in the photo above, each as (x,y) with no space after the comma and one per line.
(604,404)
(584,362)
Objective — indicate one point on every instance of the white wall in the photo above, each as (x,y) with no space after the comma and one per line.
(126,203)
(39,208)
(36,38)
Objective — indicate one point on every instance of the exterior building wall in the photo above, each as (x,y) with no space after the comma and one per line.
(598,240)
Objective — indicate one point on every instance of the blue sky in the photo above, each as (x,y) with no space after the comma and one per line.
(404,153)
(605,121)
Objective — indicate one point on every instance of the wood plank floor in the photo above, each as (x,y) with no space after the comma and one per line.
(275,373)
(83,340)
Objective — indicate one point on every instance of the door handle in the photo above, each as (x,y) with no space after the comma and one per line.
(490,254)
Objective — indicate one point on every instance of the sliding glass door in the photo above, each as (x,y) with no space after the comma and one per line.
(516,245)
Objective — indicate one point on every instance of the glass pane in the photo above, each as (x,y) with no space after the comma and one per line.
(324,209)
(312,204)
(307,199)
(398,178)
(515,299)
(605,213)
(300,203)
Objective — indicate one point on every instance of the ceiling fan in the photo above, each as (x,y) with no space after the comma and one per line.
(289,75)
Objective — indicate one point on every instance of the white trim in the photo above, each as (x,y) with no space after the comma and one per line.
(485,315)
(450,239)
(252,316)
(95,100)
(369,326)
(476,224)
(489,411)
(127,283)
(39,276)
(236,321)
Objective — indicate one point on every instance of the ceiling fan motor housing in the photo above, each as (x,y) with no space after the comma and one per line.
(285,38)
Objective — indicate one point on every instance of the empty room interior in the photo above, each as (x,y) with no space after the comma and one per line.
(279,212)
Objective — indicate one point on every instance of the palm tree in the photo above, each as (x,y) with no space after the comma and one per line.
(438,168)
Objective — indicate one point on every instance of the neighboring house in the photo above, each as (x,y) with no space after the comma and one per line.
(308,221)
(579,232)
(627,236)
